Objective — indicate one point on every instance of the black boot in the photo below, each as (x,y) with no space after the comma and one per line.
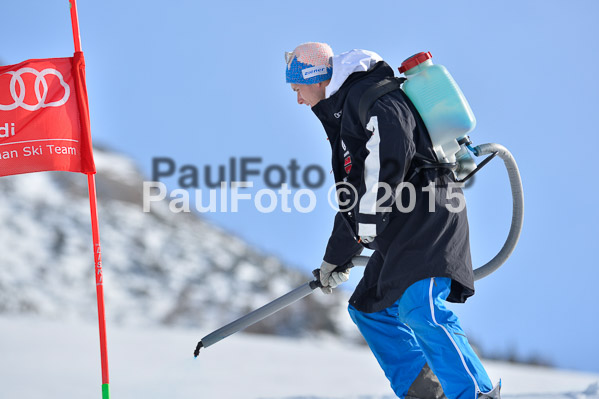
(426,386)
(494,394)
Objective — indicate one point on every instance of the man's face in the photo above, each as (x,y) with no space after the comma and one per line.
(309,94)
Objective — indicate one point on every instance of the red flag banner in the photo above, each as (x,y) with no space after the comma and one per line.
(44,117)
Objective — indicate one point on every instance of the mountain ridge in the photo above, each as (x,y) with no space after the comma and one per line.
(159,268)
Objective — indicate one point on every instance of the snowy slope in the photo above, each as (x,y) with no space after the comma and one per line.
(61,360)
(173,270)
(159,267)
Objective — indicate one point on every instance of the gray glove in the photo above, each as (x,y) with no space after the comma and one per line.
(330,279)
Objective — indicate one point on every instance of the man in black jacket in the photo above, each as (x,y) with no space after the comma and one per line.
(414,219)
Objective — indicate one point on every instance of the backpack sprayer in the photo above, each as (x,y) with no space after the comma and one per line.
(448,119)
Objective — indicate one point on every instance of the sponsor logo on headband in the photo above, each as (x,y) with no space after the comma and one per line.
(314,71)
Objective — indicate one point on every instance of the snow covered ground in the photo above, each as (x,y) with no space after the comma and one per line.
(47,359)
(159,267)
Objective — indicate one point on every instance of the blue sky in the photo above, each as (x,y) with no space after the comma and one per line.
(201,82)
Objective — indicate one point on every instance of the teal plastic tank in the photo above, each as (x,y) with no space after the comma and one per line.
(440,103)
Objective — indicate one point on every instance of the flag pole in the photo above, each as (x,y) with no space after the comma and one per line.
(91,185)
(75,24)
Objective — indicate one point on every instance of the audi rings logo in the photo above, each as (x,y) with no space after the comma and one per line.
(41,96)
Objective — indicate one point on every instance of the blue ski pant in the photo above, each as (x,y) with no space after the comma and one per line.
(419,328)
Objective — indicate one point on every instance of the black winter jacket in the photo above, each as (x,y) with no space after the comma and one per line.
(423,240)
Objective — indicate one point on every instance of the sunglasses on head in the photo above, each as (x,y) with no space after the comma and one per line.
(289,55)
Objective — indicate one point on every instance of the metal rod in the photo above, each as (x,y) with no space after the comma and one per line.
(267,310)
(257,315)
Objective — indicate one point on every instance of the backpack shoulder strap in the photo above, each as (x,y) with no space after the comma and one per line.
(374,93)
